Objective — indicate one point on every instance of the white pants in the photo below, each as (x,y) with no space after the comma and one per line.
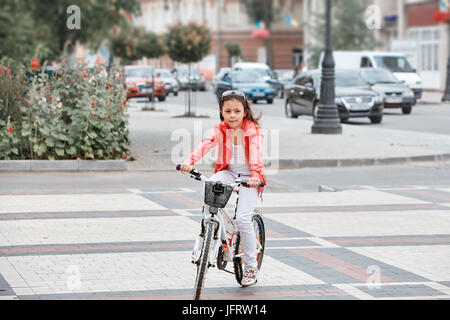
(245,207)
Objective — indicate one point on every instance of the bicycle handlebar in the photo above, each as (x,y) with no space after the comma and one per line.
(199,176)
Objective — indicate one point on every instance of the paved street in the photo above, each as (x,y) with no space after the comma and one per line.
(373,232)
(425,117)
(103,237)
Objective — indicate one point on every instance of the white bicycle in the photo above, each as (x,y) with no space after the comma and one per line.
(219,241)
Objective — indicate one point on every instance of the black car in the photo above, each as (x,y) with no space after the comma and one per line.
(285,77)
(353,96)
(395,94)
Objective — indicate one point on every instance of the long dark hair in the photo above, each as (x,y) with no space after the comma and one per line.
(249,112)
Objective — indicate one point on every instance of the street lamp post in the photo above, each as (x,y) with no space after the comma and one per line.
(326,119)
(446,96)
(219,7)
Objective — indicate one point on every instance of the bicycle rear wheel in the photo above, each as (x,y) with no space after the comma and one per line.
(260,232)
(203,263)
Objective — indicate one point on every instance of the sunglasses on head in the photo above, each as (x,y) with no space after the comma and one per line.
(235,92)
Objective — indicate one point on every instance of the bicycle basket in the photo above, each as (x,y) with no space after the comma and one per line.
(217,194)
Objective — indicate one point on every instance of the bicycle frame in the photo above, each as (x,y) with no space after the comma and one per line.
(223,220)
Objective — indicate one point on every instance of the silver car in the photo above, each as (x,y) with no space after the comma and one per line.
(395,94)
(171,84)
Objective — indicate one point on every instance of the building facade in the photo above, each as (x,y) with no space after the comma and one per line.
(408,25)
(405,26)
(228,22)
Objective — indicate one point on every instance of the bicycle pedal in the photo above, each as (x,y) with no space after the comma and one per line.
(195,262)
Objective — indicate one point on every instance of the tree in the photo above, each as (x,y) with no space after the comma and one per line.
(350,29)
(263,10)
(234,50)
(18,33)
(44,22)
(188,44)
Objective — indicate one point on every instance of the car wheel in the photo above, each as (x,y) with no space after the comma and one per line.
(288,110)
(163,98)
(344,119)
(314,110)
(175,93)
(269,101)
(376,119)
(407,109)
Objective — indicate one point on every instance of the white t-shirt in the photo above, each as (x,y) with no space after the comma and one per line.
(238,162)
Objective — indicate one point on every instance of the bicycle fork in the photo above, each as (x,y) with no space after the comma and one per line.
(216,242)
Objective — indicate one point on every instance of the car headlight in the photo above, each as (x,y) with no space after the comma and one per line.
(244,89)
(408,93)
(268,90)
(378,99)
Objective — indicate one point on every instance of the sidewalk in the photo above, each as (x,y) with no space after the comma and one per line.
(288,142)
(431,97)
(98,244)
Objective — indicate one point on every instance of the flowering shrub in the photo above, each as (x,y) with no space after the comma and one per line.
(69,113)
(13,87)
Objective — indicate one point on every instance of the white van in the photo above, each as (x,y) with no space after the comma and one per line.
(260,68)
(395,62)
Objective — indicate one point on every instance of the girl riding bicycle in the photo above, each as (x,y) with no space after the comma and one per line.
(239,139)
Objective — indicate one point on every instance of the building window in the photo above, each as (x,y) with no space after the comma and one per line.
(428,50)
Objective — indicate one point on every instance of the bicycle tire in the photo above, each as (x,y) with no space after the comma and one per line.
(261,235)
(203,265)
(239,261)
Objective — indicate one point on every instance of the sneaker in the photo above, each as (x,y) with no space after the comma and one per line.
(249,277)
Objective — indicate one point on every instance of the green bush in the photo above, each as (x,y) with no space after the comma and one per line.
(70,113)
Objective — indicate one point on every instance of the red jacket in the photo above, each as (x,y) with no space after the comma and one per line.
(252,142)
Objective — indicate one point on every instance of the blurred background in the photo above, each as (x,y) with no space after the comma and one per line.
(281,33)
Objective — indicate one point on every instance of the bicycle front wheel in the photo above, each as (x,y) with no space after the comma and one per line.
(260,231)
(203,263)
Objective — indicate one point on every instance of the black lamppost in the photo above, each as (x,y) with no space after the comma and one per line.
(326,119)
(446,96)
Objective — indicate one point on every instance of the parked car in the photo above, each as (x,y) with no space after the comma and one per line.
(397,63)
(285,77)
(196,80)
(171,84)
(218,76)
(353,96)
(395,94)
(249,82)
(264,71)
(139,83)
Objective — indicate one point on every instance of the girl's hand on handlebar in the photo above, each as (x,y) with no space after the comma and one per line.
(186,167)
(254,182)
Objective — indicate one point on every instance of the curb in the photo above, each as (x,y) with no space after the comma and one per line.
(62,165)
(320,163)
(311,163)
(120,165)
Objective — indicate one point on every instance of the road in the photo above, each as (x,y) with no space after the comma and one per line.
(424,117)
(431,174)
